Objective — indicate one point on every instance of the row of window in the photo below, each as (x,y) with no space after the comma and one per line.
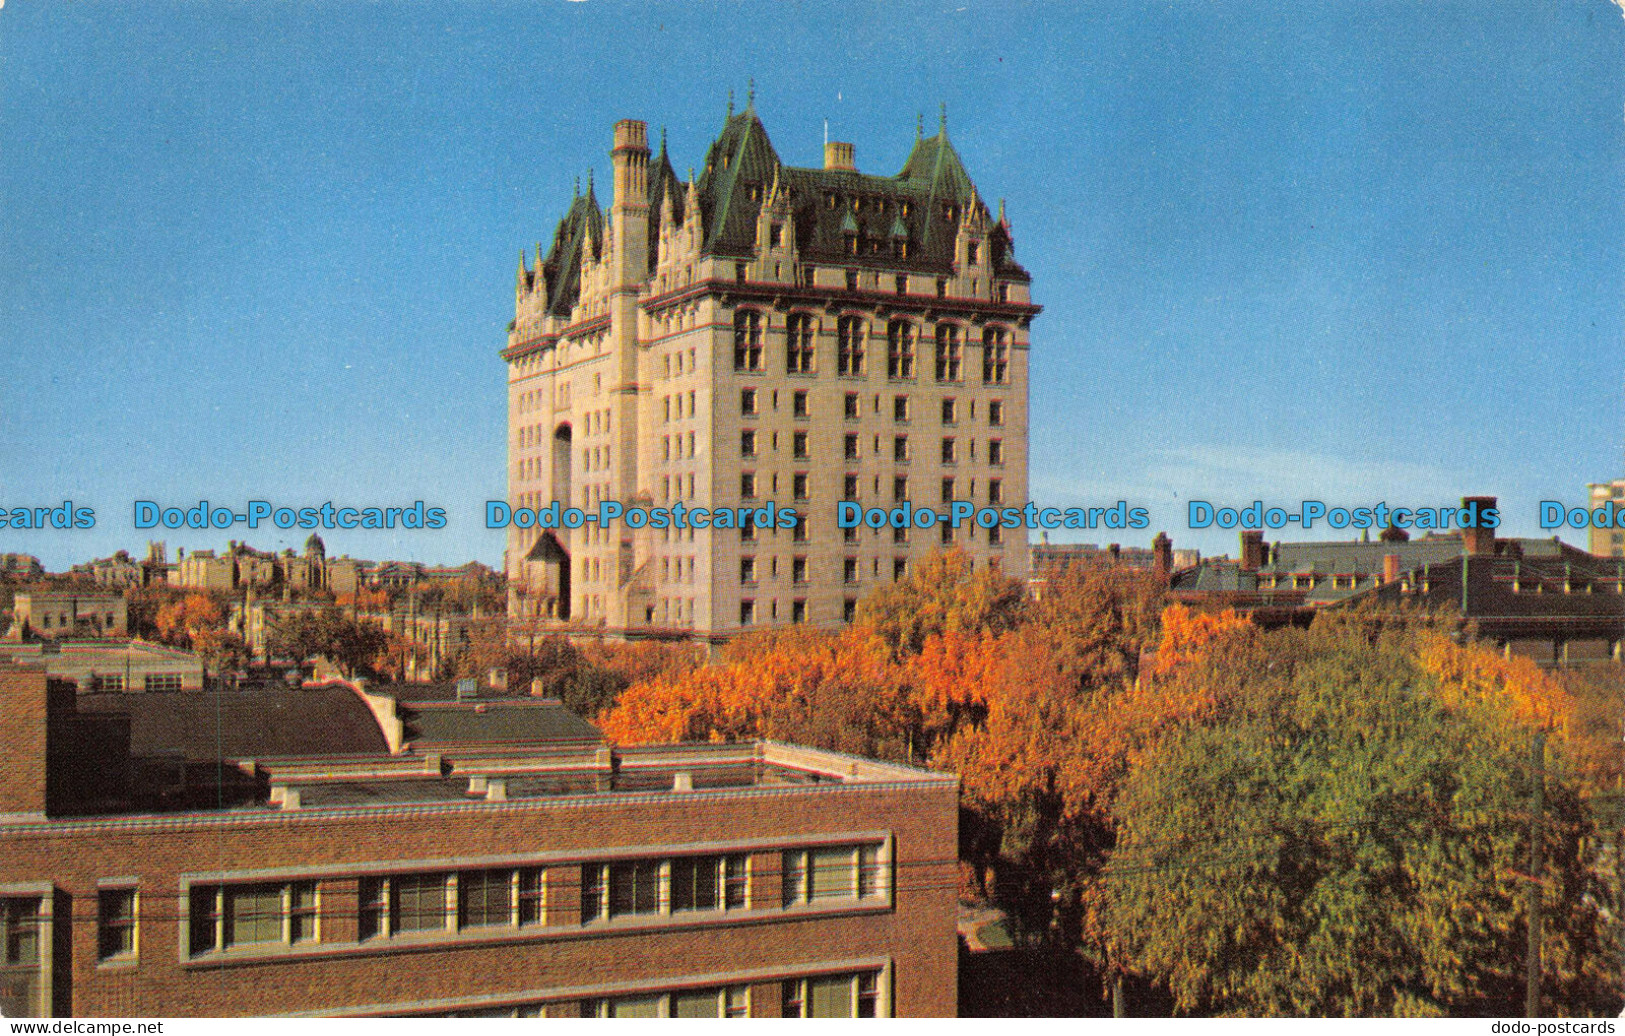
(851,336)
(852,409)
(852,449)
(850,995)
(226,916)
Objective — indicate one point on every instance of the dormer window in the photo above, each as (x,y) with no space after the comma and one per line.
(775,236)
(973,252)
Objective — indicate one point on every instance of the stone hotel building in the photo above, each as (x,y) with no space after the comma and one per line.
(762,333)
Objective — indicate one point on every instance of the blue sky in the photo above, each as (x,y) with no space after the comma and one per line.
(1354,251)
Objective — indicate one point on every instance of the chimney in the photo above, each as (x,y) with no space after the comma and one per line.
(1252,549)
(838,155)
(1390,568)
(682,781)
(1162,549)
(496,790)
(1477,539)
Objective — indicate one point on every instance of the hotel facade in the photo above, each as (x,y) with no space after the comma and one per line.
(763,333)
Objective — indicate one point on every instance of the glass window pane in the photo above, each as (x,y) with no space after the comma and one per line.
(253,914)
(829,997)
(832,872)
(420,902)
(696,1003)
(636,1007)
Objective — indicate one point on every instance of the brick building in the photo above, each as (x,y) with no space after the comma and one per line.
(1540,598)
(766,333)
(332,851)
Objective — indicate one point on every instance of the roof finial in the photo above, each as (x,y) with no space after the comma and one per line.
(942,118)
(589,183)
(662,140)
(575,192)
(1001,210)
(919,125)
(750,98)
(730,104)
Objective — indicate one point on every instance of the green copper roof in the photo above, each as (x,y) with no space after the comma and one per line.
(563,264)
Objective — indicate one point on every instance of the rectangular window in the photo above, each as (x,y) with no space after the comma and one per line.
(950,356)
(20,971)
(798,445)
(849,346)
(798,570)
(747,485)
(849,570)
(747,443)
(798,403)
(995,357)
(747,569)
(995,491)
(634,887)
(747,339)
(851,446)
(747,401)
(995,413)
(798,352)
(798,485)
(831,872)
(899,408)
(950,411)
(485,899)
(695,883)
(831,996)
(899,488)
(225,916)
(947,490)
(116,924)
(900,448)
(849,487)
(948,456)
(747,612)
(899,350)
(418,903)
(850,407)
(995,451)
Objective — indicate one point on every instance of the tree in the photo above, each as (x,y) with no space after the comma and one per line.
(942,593)
(1345,834)
(354,647)
(180,621)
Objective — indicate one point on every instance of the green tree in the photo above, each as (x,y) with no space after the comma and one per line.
(1345,836)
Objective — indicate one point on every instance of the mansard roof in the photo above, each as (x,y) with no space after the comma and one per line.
(581,225)
(922,204)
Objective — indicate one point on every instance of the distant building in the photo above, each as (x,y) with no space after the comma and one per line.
(64,613)
(1539,598)
(1053,558)
(118,666)
(20,566)
(336,852)
(765,333)
(1607,543)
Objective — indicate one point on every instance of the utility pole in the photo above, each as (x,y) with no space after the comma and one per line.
(1536,864)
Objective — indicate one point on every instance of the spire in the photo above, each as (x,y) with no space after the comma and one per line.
(662,142)
(730,104)
(750,98)
(942,119)
(919,126)
(575,192)
(589,187)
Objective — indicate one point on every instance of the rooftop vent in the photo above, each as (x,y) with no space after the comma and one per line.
(682,781)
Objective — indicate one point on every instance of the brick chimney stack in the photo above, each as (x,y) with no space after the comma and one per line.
(1478,540)
(1162,549)
(1252,550)
(838,155)
(1390,568)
